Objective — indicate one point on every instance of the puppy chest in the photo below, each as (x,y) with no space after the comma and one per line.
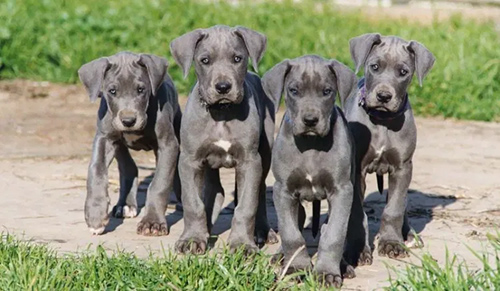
(310,185)
(220,153)
(137,141)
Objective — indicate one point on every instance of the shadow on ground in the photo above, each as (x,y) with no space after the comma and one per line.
(421,211)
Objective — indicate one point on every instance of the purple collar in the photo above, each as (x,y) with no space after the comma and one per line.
(376,114)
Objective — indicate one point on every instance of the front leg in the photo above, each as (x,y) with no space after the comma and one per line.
(248,175)
(154,221)
(195,235)
(97,200)
(391,237)
(287,209)
(333,235)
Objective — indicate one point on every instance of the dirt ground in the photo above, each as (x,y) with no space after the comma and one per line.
(47,131)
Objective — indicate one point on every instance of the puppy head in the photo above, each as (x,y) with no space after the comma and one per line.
(390,63)
(127,81)
(220,55)
(310,85)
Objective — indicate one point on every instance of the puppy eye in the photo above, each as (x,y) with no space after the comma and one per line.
(140,90)
(293,91)
(112,91)
(237,59)
(327,92)
(403,72)
(374,67)
(205,61)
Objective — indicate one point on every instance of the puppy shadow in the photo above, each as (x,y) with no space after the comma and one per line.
(421,209)
(113,224)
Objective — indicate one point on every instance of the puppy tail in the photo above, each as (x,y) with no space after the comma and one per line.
(380,183)
(315,218)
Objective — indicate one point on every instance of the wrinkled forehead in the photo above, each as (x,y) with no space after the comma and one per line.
(124,69)
(221,41)
(392,50)
(310,73)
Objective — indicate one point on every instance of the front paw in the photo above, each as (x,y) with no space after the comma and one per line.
(97,218)
(152,226)
(365,257)
(191,245)
(265,236)
(299,263)
(392,248)
(414,241)
(347,270)
(272,237)
(330,280)
(248,248)
(124,211)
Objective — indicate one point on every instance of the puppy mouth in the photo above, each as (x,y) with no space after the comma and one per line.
(379,108)
(310,133)
(223,101)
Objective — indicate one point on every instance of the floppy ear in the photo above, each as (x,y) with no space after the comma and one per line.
(255,42)
(346,79)
(183,47)
(424,59)
(92,74)
(273,81)
(157,69)
(361,46)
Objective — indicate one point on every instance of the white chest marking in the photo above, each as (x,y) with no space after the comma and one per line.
(309,178)
(378,154)
(131,137)
(224,144)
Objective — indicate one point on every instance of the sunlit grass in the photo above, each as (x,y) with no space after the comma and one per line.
(50,40)
(454,273)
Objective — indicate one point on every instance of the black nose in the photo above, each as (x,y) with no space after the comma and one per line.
(384,96)
(310,120)
(223,87)
(129,121)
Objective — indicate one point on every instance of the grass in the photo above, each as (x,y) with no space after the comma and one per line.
(50,40)
(29,266)
(25,265)
(455,274)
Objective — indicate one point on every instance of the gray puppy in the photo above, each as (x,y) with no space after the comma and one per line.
(382,123)
(228,122)
(138,110)
(313,158)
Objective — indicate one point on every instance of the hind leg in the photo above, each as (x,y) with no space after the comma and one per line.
(358,250)
(127,202)
(263,232)
(409,235)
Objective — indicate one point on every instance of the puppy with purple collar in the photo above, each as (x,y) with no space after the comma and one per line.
(381,121)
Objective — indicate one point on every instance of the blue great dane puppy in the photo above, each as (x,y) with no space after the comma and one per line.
(138,110)
(381,120)
(228,122)
(313,158)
